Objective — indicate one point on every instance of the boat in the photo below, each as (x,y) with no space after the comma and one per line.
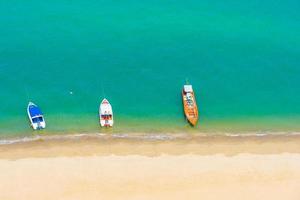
(36,117)
(190,105)
(106,114)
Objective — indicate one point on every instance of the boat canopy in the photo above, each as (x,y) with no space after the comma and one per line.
(188,88)
(34,111)
(37,119)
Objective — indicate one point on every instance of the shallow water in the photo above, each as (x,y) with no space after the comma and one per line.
(241,57)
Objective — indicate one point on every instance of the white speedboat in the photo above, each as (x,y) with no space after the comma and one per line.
(35,116)
(106,114)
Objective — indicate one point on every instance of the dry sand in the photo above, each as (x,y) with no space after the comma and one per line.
(195,168)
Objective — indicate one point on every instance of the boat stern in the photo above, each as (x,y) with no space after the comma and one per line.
(106,123)
(38,126)
(193,121)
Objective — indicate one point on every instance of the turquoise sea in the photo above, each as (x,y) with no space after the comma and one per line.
(242,57)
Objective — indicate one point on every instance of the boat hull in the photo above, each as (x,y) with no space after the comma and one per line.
(106,114)
(190,109)
(35,116)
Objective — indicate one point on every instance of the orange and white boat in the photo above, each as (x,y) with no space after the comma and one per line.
(189,104)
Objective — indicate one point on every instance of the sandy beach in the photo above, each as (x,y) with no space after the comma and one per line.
(120,168)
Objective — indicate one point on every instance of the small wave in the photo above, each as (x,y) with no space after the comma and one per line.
(141,136)
(19,140)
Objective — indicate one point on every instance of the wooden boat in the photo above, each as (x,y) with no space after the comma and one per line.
(106,114)
(190,105)
(36,117)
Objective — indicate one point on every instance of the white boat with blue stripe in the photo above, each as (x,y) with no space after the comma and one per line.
(35,116)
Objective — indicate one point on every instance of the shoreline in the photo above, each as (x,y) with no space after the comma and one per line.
(148,145)
(40,135)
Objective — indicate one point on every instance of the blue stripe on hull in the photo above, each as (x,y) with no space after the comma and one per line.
(34,111)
